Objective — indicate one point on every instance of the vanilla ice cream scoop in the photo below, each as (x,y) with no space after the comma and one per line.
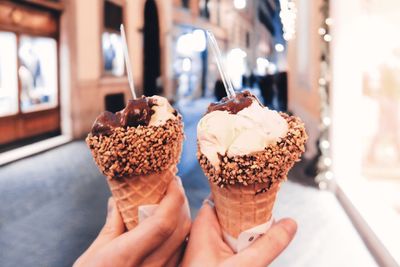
(237,127)
(163,111)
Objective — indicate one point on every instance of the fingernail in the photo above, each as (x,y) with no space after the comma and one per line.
(209,202)
(289,225)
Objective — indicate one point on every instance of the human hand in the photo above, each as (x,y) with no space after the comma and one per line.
(157,241)
(206,246)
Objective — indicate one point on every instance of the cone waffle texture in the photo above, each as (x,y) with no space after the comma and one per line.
(240,207)
(142,190)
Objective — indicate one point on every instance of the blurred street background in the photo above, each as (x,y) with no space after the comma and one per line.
(56,207)
(335,64)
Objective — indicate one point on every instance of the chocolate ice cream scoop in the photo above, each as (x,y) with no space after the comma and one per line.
(145,137)
(137,112)
(105,122)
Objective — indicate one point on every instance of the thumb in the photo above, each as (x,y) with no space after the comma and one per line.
(207,219)
(205,240)
(267,247)
(206,229)
(113,227)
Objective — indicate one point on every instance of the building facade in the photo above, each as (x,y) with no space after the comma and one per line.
(168,51)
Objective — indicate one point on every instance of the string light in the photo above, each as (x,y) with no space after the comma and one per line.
(327,37)
(279,47)
(327,161)
(325,144)
(329,175)
(288,18)
(329,21)
(326,121)
(239,4)
(325,175)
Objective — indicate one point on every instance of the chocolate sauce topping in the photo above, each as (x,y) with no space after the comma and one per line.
(233,105)
(105,122)
(137,112)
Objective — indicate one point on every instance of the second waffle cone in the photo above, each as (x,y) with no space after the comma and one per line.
(241,207)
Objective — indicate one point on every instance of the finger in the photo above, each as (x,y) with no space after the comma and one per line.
(187,207)
(176,257)
(169,251)
(173,244)
(135,245)
(206,239)
(173,200)
(206,229)
(207,218)
(268,246)
(113,227)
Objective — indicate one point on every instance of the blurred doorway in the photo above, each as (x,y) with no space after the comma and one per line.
(29,76)
(151,45)
(190,62)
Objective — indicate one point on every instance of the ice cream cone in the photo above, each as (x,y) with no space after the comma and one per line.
(139,160)
(243,207)
(246,152)
(141,190)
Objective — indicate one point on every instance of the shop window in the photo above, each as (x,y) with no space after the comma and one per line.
(8,74)
(37,72)
(205,8)
(29,105)
(113,59)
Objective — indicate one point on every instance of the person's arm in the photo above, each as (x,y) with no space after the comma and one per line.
(206,246)
(154,242)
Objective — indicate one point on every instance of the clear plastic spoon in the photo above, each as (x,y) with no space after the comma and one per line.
(230,92)
(127,62)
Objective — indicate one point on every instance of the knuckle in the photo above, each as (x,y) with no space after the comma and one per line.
(180,198)
(164,227)
(187,226)
(108,230)
(281,238)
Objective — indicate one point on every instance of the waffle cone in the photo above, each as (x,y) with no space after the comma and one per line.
(241,207)
(130,193)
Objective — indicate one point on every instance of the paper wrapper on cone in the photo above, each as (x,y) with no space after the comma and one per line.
(245,187)
(139,163)
(240,207)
